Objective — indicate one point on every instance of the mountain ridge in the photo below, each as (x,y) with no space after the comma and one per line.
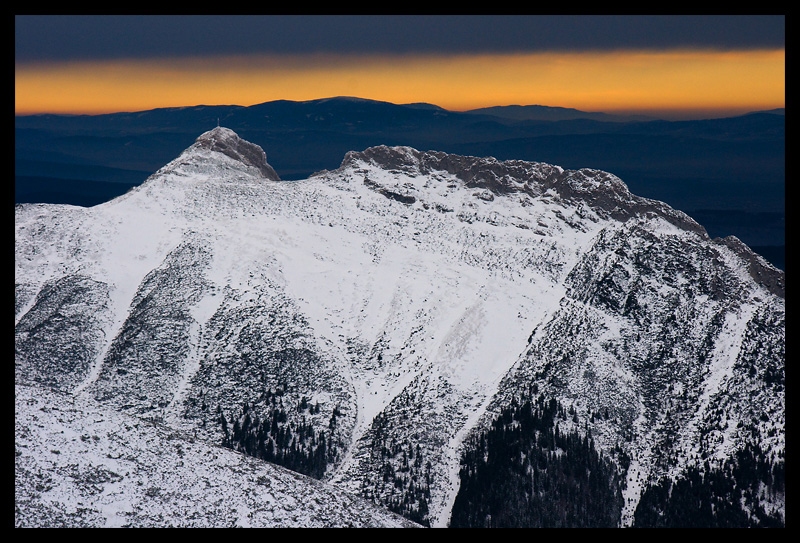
(390,308)
(724,165)
(609,194)
(550,113)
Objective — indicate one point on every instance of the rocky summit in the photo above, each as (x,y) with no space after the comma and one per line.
(460,340)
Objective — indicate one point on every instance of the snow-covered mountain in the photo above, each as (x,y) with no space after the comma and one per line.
(367,324)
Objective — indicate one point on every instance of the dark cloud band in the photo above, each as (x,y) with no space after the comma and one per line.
(53,38)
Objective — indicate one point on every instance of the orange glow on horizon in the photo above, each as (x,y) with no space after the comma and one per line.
(632,81)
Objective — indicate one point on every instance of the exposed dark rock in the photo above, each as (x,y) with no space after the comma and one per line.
(602,191)
(763,273)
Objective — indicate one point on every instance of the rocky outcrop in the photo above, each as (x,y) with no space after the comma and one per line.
(227,142)
(601,191)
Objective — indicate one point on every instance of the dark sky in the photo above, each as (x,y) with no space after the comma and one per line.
(66,37)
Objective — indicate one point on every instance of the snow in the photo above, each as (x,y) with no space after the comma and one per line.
(724,356)
(451,285)
(202,311)
(80,464)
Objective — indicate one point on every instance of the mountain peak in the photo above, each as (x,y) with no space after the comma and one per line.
(602,191)
(226,141)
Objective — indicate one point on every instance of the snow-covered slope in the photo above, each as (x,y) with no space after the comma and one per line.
(79,464)
(397,303)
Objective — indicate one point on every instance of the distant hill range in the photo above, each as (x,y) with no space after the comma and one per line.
(550,113)
(733,168)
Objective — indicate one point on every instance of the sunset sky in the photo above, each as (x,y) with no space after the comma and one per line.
(667,66)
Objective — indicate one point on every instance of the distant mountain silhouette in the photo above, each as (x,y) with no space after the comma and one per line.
(776,111)
(728,165)
(549,113)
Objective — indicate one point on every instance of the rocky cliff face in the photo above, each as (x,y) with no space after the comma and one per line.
(365,324)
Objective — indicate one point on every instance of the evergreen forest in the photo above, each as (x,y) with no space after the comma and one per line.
(524,471)
(730,496)
(530,468)
(405,481)
(294,443)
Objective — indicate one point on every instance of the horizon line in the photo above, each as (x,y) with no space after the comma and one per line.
(651,113)
(670,84)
